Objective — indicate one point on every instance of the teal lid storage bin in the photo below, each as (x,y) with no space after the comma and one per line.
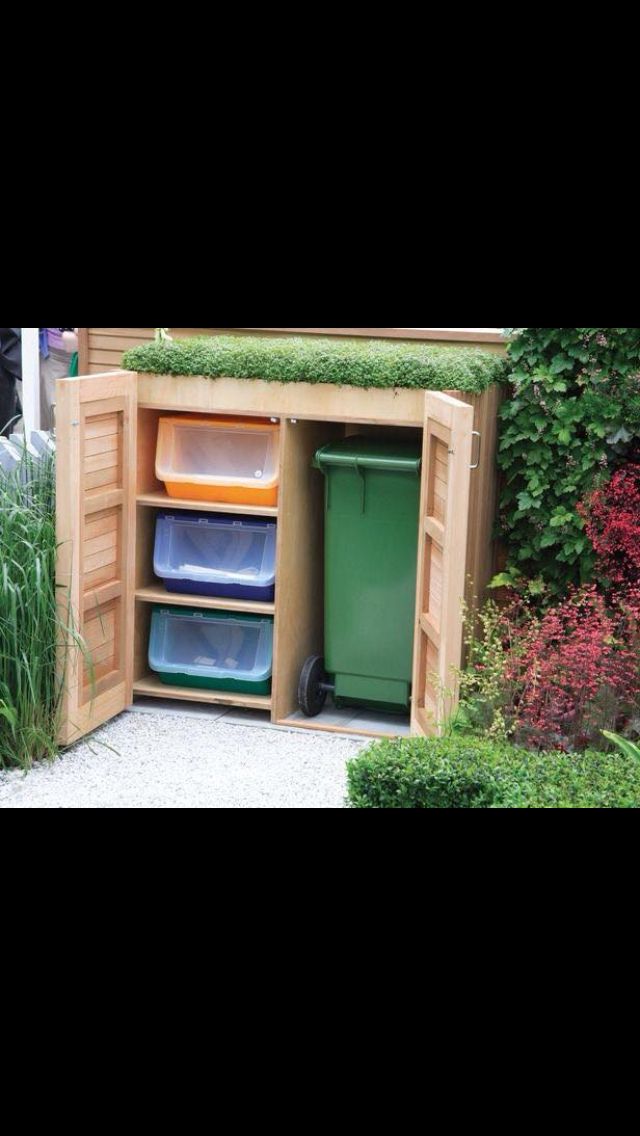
(212,650)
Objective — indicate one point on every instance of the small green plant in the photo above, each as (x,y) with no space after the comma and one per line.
(486,694)
(629,749)
(342,362)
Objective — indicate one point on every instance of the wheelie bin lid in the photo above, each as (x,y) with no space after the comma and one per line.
(361,452)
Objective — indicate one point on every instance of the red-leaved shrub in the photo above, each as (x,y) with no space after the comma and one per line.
(613,526)
(575,671)
(559,677)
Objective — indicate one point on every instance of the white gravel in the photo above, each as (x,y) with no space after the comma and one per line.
(181,761)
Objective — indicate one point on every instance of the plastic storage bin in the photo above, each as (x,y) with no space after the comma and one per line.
(212,650)
(234,557)
(220,460)
(371,546)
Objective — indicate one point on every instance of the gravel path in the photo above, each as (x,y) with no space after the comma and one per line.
(182,761)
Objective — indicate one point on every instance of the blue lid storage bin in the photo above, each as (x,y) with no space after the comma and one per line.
(226,556)
(212,650)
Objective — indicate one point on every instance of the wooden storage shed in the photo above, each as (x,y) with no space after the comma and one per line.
(109,498)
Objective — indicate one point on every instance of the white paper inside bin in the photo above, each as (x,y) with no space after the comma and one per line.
(190,550)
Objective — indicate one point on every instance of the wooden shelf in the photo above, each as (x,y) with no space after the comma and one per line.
(151,687)
(158,594)
(164,501)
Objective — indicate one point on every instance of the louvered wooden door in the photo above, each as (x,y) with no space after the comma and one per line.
(96,511)
(442,559)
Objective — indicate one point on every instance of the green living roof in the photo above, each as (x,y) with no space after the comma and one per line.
(343,362)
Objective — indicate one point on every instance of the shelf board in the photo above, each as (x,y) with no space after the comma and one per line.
(158,594)
(368,730)
(160,500)
(151,687)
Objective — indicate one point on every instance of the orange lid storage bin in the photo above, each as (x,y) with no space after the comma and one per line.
(226,460)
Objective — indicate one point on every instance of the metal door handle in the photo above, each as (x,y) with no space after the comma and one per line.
(478,435)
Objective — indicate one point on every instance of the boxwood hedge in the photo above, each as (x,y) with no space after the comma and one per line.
(468,773)
(342,362)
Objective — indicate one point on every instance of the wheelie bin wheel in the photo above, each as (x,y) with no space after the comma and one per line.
(311,695)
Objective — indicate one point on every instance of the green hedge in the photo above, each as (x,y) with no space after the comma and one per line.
(359,363)
(574,417)
(455,773)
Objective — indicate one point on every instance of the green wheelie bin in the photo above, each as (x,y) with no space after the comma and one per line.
(371,549)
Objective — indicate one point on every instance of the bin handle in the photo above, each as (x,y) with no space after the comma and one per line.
(346,461)
(478,435)
(360,470)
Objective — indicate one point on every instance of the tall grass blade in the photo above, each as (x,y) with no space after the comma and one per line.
(30,623)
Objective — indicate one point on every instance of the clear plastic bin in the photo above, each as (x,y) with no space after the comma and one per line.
(219,460)
(212,650)
(233,557)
